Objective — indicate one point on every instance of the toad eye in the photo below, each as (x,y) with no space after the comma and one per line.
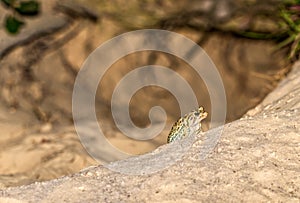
(196,113)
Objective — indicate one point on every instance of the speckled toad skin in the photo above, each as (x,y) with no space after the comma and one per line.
(190,122)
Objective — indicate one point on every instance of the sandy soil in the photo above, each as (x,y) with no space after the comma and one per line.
(38,141)
(251,163)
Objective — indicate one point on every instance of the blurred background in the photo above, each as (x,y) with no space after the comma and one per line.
(43,44)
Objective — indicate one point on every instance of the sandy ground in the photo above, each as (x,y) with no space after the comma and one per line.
(251,163)
(38,141)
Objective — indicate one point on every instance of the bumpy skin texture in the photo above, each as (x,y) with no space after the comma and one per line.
(190,122)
